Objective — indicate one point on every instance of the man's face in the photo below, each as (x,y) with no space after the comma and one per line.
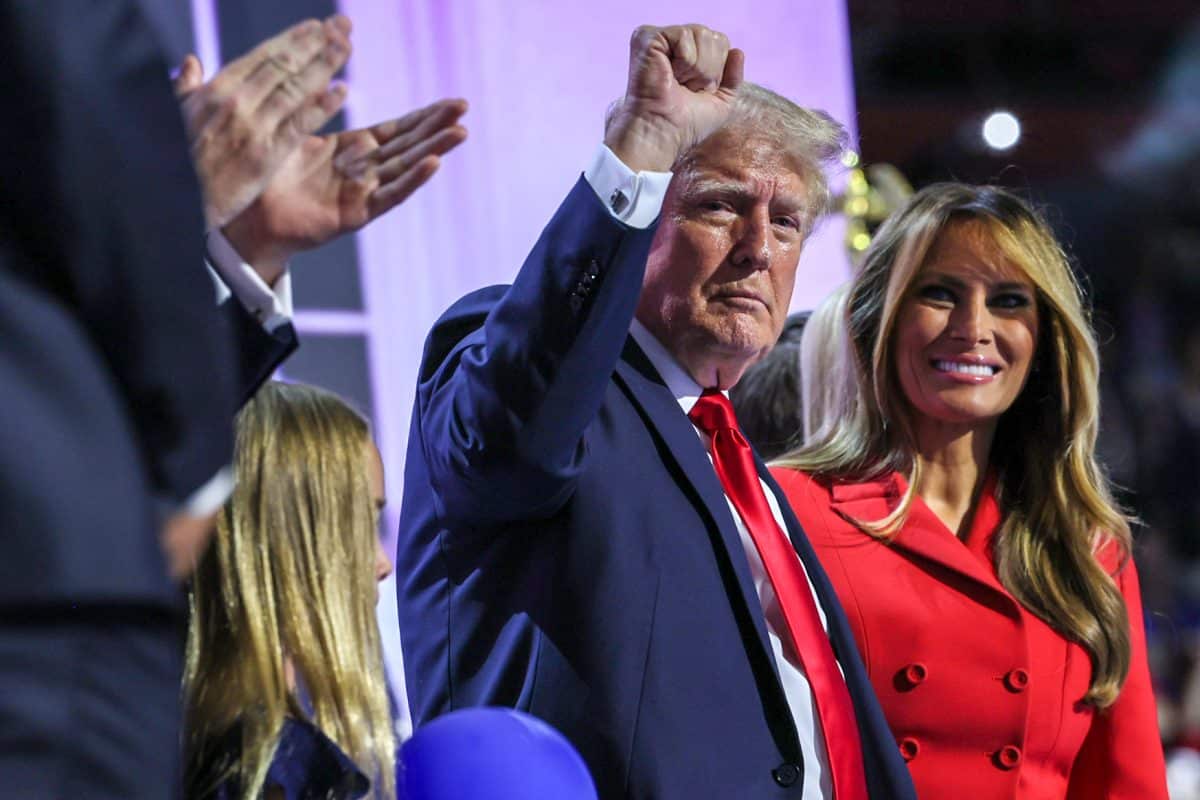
(720,272)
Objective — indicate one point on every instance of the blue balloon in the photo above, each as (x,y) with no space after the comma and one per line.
(491,754)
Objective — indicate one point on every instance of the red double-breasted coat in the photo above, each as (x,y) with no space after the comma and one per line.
(982,696)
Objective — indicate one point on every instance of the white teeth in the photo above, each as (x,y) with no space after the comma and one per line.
(981,370)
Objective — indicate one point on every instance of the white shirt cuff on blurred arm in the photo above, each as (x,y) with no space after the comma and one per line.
(271,306)
(211,496)
(634,198)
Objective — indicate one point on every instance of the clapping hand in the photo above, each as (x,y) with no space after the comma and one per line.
(256,111)
(335,184)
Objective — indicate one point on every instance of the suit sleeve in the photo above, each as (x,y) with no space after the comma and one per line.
(103,205)
(259,351)
(508,389)
(1122,757)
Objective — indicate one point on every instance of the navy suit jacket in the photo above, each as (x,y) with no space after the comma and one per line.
(565,546)
(118,380)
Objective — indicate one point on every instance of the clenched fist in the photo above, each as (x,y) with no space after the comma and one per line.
(682,81)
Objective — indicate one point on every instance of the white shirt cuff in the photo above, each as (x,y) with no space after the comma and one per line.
(211,496)
(271,306)
(634,198)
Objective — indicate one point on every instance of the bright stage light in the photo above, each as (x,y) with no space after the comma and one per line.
(1001,130)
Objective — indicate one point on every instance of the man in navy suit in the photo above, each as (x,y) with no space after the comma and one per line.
(566,547)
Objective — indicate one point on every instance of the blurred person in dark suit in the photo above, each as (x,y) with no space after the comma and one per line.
(117,407)
(119,379)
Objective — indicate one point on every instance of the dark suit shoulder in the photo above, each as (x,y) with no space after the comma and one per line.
(465,316)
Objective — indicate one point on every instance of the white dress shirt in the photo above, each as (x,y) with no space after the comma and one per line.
(636,199)
(271,307)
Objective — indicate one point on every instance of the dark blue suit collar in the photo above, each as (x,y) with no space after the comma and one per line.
(684,451)
(663,415)
(672,374)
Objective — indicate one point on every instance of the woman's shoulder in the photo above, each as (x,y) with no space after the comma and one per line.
(1114,557)
(828,507)
(307,763)
(800,486)
(820,491)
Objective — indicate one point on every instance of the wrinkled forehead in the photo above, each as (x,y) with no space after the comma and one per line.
(747,157)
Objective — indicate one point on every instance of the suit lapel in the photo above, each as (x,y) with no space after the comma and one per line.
(924,534)
(662,413)
(879,748)
(839,633)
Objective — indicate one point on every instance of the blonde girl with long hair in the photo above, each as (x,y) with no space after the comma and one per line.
(961,514)
(284,686)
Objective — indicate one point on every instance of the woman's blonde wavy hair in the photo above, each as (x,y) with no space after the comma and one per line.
(290,573)
(827,375)
(1057,502)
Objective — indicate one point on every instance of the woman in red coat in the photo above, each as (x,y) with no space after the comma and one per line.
(962,517)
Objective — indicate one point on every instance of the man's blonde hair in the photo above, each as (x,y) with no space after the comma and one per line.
(812,140)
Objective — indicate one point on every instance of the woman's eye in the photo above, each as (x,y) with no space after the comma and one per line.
(1011,300)
(938,294)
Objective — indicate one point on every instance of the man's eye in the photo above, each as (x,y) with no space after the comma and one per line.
(787,222)
(715,205)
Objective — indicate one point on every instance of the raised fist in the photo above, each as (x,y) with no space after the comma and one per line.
(682,81)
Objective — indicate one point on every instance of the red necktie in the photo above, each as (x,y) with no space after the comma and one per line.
(734,461)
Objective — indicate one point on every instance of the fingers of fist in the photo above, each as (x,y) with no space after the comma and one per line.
(697,54)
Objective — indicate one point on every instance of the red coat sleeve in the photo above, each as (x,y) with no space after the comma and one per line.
(1122,756)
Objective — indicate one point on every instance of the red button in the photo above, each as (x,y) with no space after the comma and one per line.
(1017,680)
(1008,757)
(909,677)
(909,748)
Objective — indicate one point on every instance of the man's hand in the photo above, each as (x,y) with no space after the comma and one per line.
(184,539)
(257,110)
(335,184)
(682,80)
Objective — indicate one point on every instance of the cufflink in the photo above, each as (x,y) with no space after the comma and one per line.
(618,202)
